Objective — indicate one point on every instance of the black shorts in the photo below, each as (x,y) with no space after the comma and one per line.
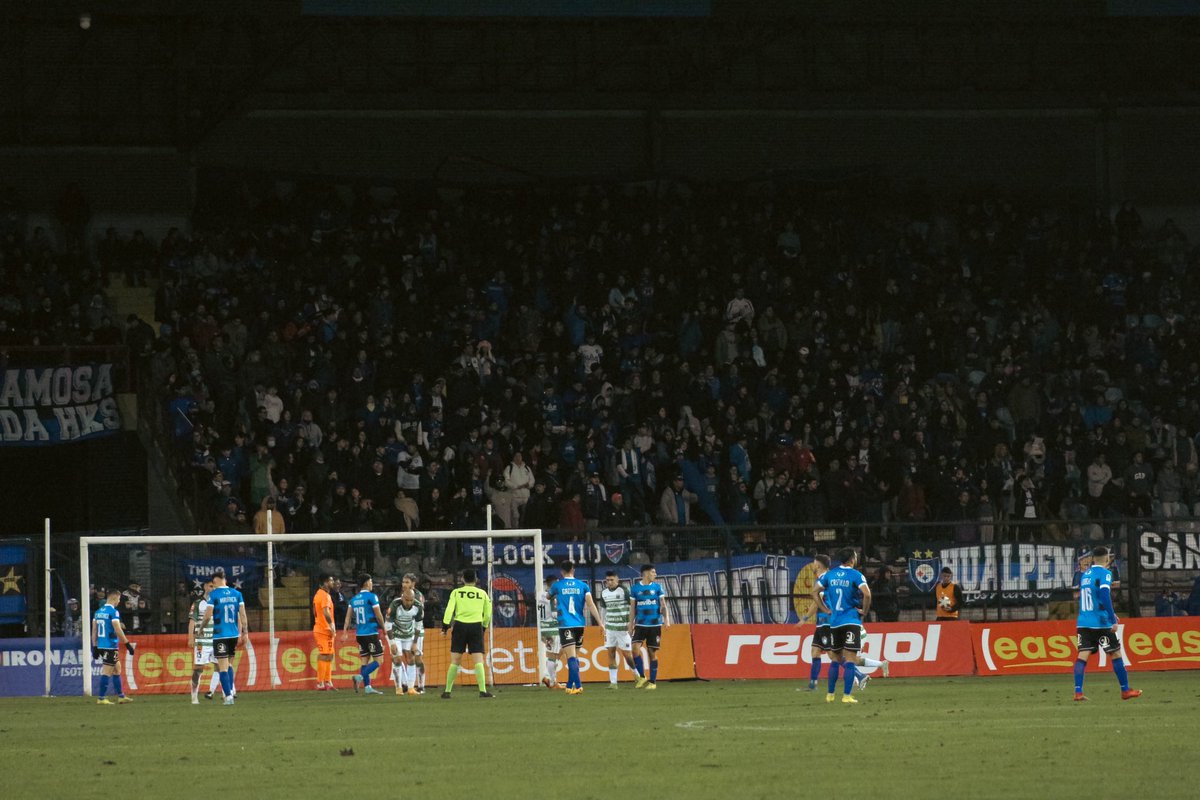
(846,637)
(467,637)
(570,637)
(225,648)
(369,646)
(108,657)
(823,638)
(650,635)
(1093,639)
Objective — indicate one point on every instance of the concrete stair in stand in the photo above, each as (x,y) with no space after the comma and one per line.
(292,600)
(125,300)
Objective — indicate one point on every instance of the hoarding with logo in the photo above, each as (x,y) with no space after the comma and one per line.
(784,652)
(1023,648)
(162,664)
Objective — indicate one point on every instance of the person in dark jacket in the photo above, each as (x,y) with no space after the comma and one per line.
(1193,603)
(594,501)
(616,514)
(883,596)
(1169,603)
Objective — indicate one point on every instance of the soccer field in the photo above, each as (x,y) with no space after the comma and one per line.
(1019,737)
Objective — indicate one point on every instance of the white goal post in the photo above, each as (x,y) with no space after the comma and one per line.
(270,540)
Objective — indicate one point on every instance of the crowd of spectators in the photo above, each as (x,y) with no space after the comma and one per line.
(657,357)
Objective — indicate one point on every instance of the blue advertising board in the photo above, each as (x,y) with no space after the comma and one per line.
(23,670)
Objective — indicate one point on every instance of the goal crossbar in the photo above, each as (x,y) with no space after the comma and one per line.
(270,540)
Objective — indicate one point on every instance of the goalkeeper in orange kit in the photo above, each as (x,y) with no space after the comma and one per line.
(324,631)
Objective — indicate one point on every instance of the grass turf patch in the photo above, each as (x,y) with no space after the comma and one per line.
(1006,738)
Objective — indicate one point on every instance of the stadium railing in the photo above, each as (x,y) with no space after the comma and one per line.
(715,574)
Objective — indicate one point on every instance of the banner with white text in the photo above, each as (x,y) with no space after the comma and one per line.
(1175,550)
(750,588)
(42,406)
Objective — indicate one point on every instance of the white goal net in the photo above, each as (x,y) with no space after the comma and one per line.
(161,576)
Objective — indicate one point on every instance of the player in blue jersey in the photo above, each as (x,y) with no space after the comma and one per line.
(107,635)
(844,595)
(822,637)
(1096,627)
(368,622)
(646,623)
(572,600)
(227,611)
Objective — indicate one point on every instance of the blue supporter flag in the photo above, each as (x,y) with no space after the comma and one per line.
(14,579)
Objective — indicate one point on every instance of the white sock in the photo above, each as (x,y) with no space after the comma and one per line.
(215,682)
(870,662)
(552,669)
(397,674)
(612,674)
(421,676)
(412,674)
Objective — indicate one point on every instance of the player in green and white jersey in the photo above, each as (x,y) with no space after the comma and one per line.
(409,581)
(863,661)
(548,631)
(614,601)
(402,621)
(200,643)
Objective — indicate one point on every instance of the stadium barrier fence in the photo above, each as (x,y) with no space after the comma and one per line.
(1017,570)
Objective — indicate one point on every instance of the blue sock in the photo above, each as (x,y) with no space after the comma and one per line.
(1080,668)
(654,671)
(374,665)
(227,683)
(103,685)
(849,671)
(1122,673)
(814,672)
(229,672)
(116,680)
(573,681)
(833,676)
(639,666)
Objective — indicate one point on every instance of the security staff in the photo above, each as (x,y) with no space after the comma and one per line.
(468,613)
(948,596)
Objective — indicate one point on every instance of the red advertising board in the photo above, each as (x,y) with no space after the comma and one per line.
(784,651)
(163,664)
(1022,648)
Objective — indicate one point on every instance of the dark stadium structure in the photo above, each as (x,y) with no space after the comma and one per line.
(783,276)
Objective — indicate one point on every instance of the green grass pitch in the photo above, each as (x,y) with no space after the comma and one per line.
(1017,737)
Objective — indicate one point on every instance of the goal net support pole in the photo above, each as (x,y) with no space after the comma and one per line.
(272,643)
(46,603)
(271,539)
(491,631)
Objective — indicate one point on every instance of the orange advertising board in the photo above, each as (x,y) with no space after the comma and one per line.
(163,664)
(784,651)
(1021,648)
